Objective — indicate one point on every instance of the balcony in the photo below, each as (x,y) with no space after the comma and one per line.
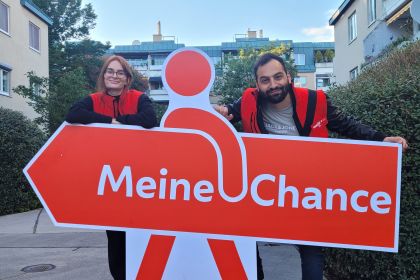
(391,7)
(159,95)
(324,65)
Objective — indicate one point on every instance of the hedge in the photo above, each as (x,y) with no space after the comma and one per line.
(20,139)
(386,96)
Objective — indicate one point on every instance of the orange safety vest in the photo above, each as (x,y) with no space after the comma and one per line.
(309,111)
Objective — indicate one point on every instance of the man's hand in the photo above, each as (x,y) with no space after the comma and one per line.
(397,139)
(223,110)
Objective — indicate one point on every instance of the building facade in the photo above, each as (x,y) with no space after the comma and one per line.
(364,28)
(23,48)
(148,58)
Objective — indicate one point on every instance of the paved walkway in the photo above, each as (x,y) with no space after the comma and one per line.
(29,238)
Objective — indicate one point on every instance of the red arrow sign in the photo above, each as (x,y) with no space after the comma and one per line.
(167,179)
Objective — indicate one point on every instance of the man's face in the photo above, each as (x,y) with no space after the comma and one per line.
(272,81)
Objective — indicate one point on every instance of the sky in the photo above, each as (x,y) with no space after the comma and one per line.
(207,23)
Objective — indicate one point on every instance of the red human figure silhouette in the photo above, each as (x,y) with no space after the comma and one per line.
(188,77)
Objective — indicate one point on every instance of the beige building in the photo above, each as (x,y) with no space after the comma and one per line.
(23,48)
(363,28)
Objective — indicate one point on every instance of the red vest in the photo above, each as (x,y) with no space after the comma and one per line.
(309,111)
(112,107)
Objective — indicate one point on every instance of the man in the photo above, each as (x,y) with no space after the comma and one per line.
(277,107)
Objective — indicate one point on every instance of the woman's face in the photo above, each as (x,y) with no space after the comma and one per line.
(115,77)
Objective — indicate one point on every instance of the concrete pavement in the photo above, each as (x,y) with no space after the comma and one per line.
(30,239)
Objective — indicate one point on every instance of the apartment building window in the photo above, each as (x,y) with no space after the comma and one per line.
(33,36)
(4,82)
(299,58)
(322,82)
(4,18)
(352,21)
(354,73)
(371,11)
(299,81)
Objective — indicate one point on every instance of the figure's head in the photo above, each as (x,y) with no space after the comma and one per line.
(272,79)
(115,75)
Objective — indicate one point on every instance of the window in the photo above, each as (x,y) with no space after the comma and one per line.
(4,18)
(158,59)
(371,11)
(4,82)
(33,36)
(216,59)
(322,82)
(354,73)
(299,58)
(352,27)
(300,81)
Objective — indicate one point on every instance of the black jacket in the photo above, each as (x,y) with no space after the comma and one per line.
(82,112)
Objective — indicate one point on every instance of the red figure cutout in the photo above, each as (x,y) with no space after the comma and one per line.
(188,73)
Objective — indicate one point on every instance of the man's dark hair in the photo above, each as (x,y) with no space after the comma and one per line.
(264,59)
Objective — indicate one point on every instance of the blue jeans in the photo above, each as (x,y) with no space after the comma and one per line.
(312,262)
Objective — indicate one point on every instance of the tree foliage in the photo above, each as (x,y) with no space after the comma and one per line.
(319,57)
(70,20)
(237,71)
(329,55)
(324,56)
(85,54)
(52,101)
(73,65)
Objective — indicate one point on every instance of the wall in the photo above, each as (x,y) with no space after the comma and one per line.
(15,52)
(349,55)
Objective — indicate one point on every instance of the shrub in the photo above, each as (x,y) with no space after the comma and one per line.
(20,139)
(386,96)
(160,109)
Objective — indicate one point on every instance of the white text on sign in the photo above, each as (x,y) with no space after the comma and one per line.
(203,191)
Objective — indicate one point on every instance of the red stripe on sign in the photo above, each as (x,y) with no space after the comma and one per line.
(227,259)
(156,257)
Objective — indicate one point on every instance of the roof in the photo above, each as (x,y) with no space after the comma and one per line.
(314,45)
(152,47)
(252,43)
(343,7)
(28,4)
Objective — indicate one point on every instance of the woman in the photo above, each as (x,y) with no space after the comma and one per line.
(115,103)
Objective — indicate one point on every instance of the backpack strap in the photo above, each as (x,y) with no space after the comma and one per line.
(304,105)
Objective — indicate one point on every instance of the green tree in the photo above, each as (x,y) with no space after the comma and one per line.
(319,57)
(73,65)
(329,55)
(71,21)
(85,54)
(237,71)
(52,101)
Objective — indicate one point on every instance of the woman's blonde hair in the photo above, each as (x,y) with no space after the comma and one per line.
(100,83)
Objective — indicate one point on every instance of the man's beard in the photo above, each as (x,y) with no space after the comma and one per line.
(278,97)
